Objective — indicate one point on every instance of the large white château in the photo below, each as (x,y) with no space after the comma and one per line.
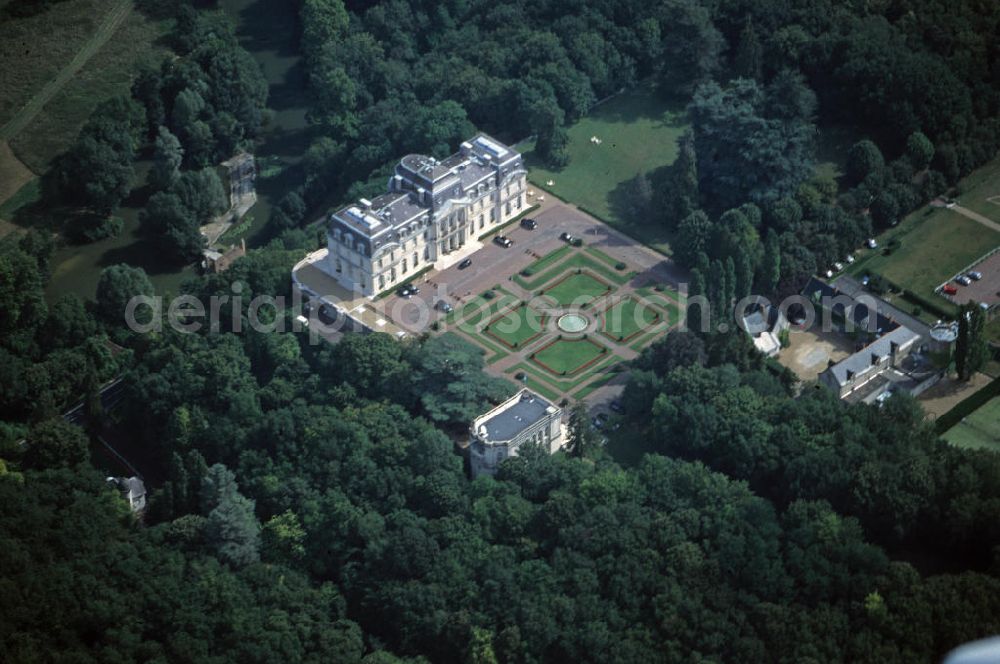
(432,210)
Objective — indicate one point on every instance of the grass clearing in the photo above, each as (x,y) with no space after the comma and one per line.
(638,131)
(577,289)
(35,48)
(107,73)
(565,357)
(980,430)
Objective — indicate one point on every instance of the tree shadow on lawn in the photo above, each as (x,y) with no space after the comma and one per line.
(647,229)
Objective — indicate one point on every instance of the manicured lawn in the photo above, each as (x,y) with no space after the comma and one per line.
(470,314)
(638,133)
(549,259)
(577,289)
(624,319)
(567,356)
(577,260)
(516,328)
(933,247)
(980,430)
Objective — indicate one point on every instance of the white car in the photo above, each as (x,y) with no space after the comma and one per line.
(849,259)
(837,267)
(872,244)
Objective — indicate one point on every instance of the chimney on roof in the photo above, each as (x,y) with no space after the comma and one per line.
(365,203)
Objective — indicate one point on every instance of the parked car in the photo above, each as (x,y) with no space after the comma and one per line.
(465,263)
(600,420)
(503,241)
(616,406)
(872,244)
(964,280)
(530,224)
(849,259)
(404,291)
(975,275)
(571,239)
(326,315)
(949,290)
(865,280)
(444,306)
(837,267)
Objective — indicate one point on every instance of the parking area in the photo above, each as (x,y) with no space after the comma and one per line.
(984,290)
(494,265)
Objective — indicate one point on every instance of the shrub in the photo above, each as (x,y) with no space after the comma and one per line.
(527,272)
(489,295)
(619,266)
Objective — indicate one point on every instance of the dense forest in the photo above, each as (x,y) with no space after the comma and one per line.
(308,504)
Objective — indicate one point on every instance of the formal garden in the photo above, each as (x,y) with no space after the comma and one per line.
(566,324)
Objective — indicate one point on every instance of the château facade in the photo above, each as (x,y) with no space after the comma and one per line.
(432,210)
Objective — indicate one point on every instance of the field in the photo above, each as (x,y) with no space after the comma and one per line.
(35,48)
(933,246)
(108,72)
(980,430)
(638,133)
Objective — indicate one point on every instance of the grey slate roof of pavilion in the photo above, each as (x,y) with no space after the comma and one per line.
(447,179)
(861,361)
(508,423)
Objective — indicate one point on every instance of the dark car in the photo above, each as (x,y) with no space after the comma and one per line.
(600,420)
(530,224)
(571,239)
(444,306)
(616,406)
(326,315)
(404,291)
(464,264)
(503,241)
